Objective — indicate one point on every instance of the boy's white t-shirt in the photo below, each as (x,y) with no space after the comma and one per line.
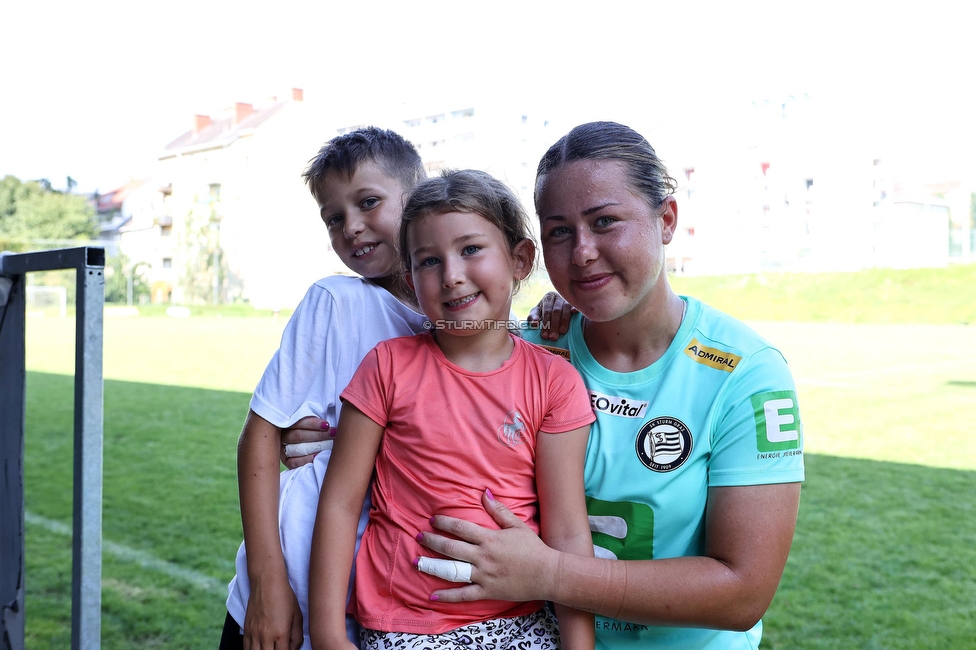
(338,322)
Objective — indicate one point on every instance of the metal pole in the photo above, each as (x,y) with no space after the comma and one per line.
(216,276)
(12,405)
(86,566)
(86,591)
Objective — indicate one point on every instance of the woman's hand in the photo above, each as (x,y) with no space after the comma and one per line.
(273,619)
(307,430)
(339,641)
(508,564)
(552,314)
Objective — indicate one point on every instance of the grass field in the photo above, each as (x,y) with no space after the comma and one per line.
(885,548)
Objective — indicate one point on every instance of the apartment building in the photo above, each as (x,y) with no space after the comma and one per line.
(242,225)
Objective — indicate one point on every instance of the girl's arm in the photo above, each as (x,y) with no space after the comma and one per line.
(357,442)
(749,530)
(273,615)
(562,511)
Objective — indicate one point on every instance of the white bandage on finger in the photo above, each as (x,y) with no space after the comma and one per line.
(450,570)
(305,448)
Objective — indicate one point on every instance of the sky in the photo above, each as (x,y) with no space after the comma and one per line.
(95,89)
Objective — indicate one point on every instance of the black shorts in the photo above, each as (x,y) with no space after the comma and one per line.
(231,638)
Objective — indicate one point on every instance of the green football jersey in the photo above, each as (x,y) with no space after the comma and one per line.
(718,409)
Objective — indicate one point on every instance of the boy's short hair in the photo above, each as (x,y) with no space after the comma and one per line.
(345,153)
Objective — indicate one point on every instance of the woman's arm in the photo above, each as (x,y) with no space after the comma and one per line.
(273,615)
(749,530)
(564,524)
(334,538)
(309,429)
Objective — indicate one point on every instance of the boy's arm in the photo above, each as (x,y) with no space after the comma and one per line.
(552,316)
(334,538)
(273,615)
(564,522)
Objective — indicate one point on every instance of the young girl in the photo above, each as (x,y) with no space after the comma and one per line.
(441,414)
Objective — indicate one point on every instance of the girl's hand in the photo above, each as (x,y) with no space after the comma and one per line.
(273,619)
(508,564)
(553,314)
(307,430)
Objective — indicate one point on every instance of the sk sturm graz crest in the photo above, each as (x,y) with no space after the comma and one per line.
(664,444)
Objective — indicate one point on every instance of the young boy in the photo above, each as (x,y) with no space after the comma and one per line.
(360,181)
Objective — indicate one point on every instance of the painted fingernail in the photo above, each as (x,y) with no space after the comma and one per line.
(491,497)
(325,425)
(416,563)
(332,433)
(435,597)
(420,537)
(431,521)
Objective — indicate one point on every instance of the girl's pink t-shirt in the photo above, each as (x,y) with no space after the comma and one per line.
(449,434)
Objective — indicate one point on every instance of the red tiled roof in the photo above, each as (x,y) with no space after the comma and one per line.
(113,200)
(221,132)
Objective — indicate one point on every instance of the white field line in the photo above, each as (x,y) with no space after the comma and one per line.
(143,559)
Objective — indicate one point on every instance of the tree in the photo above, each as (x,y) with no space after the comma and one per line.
(33,210)
(206,278)
(125,279)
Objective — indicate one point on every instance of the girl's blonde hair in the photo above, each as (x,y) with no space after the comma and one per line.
(466,190)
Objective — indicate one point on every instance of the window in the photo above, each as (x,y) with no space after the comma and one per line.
(467,112)
(415,122)
(165,231)
(167,262)
(215,191)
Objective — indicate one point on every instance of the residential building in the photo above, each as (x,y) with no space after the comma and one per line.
(134,223)
(780,198)
(243,225)
(116,210)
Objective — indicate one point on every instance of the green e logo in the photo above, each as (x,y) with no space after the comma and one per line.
(777,420)
(621,530)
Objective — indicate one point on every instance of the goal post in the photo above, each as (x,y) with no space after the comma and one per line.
(47,300)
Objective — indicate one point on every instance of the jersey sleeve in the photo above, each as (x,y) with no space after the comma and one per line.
(757,435)
(301,375)
(370,389)
(569,401)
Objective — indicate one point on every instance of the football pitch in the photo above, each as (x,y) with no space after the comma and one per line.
(885,548)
